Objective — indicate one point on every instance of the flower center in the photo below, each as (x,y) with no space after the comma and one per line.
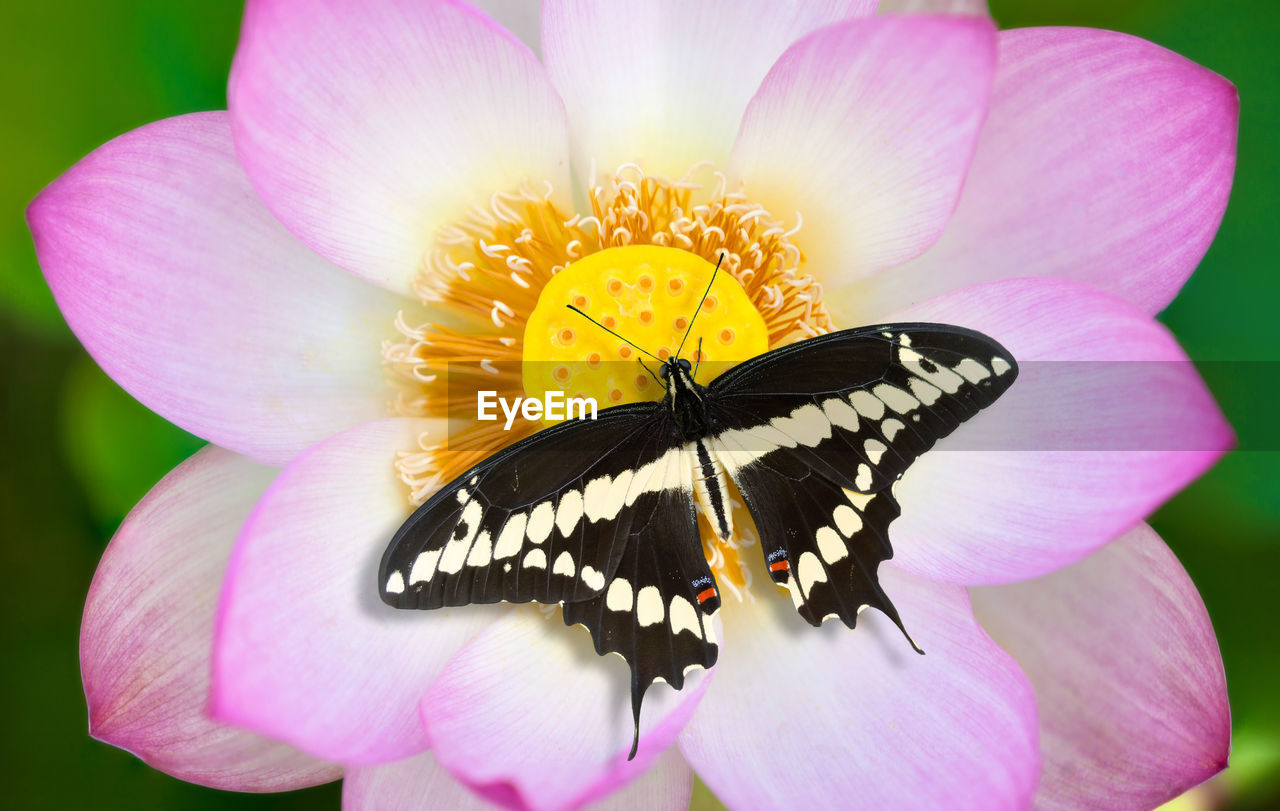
(495,288)
(648,294)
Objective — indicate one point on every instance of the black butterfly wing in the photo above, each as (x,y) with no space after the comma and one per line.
(815,434)
(546,519)
(597,515)
(860,405)
(657,610)
(822,542)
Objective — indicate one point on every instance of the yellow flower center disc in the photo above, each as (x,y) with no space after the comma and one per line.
(647,294)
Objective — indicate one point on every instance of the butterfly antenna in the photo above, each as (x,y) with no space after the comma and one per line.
(611,332)
(697,361)
(700,301)
(650,371)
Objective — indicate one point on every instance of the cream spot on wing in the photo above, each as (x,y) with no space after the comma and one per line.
(540,522)
(569,513)
(973,371)
(810,572)
(830,545)
(895,398)
(564,565)
(594,580)
(806,425)
(619,597)
(424,566)
(684,617)
(867,404)
(847,521)
(875,450)
(863,480)
(891,427)
(617,494)
(535,559)
(395,583)
(924,391)
(455,554)
(1000,365)
(841,413)
(595,498)
(481,551)
(735,449)
(511,538)
(649,610)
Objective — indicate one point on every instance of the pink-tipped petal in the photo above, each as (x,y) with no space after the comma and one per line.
(528,714)
(147,635)
(306,652)
(367,125)
(864,130)
(803,717)
(1127,674)
(933,7)
(420,784)
(1107,419)
(1105,159)
(192,297)
(664,84)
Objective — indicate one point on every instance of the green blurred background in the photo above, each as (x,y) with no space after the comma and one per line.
(78,452)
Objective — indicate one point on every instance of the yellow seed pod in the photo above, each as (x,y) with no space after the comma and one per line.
(648,294)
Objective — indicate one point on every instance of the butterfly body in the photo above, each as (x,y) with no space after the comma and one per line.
(600,516)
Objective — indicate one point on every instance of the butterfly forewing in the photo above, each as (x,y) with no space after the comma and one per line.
(858,406)
(547,519)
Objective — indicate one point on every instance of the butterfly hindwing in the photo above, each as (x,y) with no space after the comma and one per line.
(657,609)
(822,542)
(546,519)
(859,405)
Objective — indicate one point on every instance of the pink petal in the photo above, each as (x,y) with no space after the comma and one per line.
(366,126)
(664,84)
(803,717)
(305,651)
(420,783)
(1127,674)
(933,7)
(528,714)
(147,635)
(1105,159)
(194,299)
(865,130)
(1106,421)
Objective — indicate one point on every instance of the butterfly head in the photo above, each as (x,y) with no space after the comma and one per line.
(674,365)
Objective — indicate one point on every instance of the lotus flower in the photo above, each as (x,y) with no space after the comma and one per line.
(394,183)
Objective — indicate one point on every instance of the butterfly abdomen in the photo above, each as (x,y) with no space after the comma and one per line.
(710,483)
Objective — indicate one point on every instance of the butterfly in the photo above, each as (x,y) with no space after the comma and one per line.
(600,516)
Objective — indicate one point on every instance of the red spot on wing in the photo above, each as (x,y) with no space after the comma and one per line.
(779,566)
(706,595)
